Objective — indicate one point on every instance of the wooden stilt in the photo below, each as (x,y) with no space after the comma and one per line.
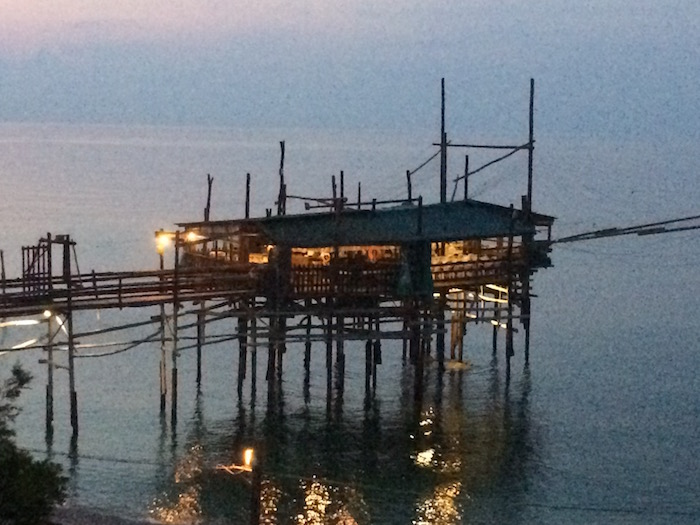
(175,351)
(415,331)
(71,342)
(253,357)
(376,360)
(368,365)
(281,345)
(307,346)
(404,341)
(307,359)
(509,265)
(440,335)
(242,352)
(201,321)
(49,380)
(418,374)
(340,339)
(271,352)
(163,362)
(462,333)
(495,339)
(163,352)
(340,355)
(329,361)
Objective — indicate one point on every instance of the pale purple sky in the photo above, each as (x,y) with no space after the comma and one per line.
(600,64)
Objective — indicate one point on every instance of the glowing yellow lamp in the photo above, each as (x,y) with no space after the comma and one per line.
(248,458)
(162,242)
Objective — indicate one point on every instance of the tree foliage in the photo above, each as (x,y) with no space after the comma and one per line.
(29,488)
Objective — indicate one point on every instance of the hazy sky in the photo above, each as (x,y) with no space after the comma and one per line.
(602,66)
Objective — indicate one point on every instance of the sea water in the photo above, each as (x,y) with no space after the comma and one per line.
(600,427)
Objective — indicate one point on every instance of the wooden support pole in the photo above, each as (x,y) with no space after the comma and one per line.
(175,351)
(247,195)
(282,197)
(253,357)
(340,353)
(340,343)
(408,184)
(307,345)
(368,365)
(418,374)
(526,312)
(2,271)
(511,290)
(307,357)
(466,177)
(163,362)
(531,145)
(359,195)
(454,328)
(201,324)
(420,215)
(71,342)
(271,350)
(49,379)
(242,353)
(495,338)
(404,341)
(376,360)
(207,210)
(415,337)
(281,345)
(256,482)
(443,147)
(329,361)
(440,335)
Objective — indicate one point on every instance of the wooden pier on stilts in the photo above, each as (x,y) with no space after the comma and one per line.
(345,270)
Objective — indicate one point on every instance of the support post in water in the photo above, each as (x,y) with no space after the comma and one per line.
(49,377)
(174,356)
(271,357)
(71,341)
(329,360)
(256,487)
(376,355)
(368,364)
(163,362)
(509,266)
(440,335)
(242,352)
(201,324)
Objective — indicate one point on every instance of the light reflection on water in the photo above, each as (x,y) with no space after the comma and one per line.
(183,506)
(419,461)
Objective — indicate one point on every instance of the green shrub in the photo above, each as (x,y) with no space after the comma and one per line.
(28,488)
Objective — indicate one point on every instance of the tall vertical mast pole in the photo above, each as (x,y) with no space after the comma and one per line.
(282,198)
(443,147)
(531,145)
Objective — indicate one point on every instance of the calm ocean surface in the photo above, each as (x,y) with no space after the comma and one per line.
(602,427)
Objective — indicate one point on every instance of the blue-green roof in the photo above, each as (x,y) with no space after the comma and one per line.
(452,221)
